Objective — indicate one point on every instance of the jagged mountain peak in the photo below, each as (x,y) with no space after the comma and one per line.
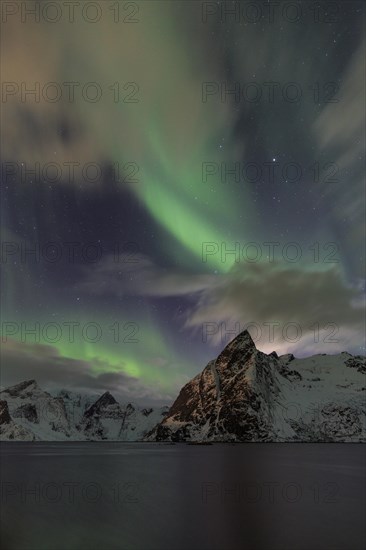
(101,404)
(236,353)
(107,399)
(242,341)
(28,413)
(247,395)
(23,388)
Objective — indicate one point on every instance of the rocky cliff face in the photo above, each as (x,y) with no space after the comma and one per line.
(247,395)
(8,429)
(28,413)
(38,412)
(106,419)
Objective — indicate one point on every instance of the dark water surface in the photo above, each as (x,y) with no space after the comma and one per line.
(76,496)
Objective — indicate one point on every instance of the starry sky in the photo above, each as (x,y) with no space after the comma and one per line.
(165,136)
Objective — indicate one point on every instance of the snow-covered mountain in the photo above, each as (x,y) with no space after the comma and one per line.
(28,413)
(243,395)
(247,395)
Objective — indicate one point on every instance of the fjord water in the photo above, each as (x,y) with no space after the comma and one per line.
(147,496)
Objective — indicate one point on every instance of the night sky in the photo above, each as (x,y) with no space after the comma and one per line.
(159,144)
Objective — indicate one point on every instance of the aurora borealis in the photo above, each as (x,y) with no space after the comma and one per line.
(205,134)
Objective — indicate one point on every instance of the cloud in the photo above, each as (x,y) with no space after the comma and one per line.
(140,276)
(319,303)
(99,53)
(22,361)
(296,301)
(340,133)
(267,290)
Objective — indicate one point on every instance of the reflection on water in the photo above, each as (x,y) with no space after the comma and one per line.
(76,496)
